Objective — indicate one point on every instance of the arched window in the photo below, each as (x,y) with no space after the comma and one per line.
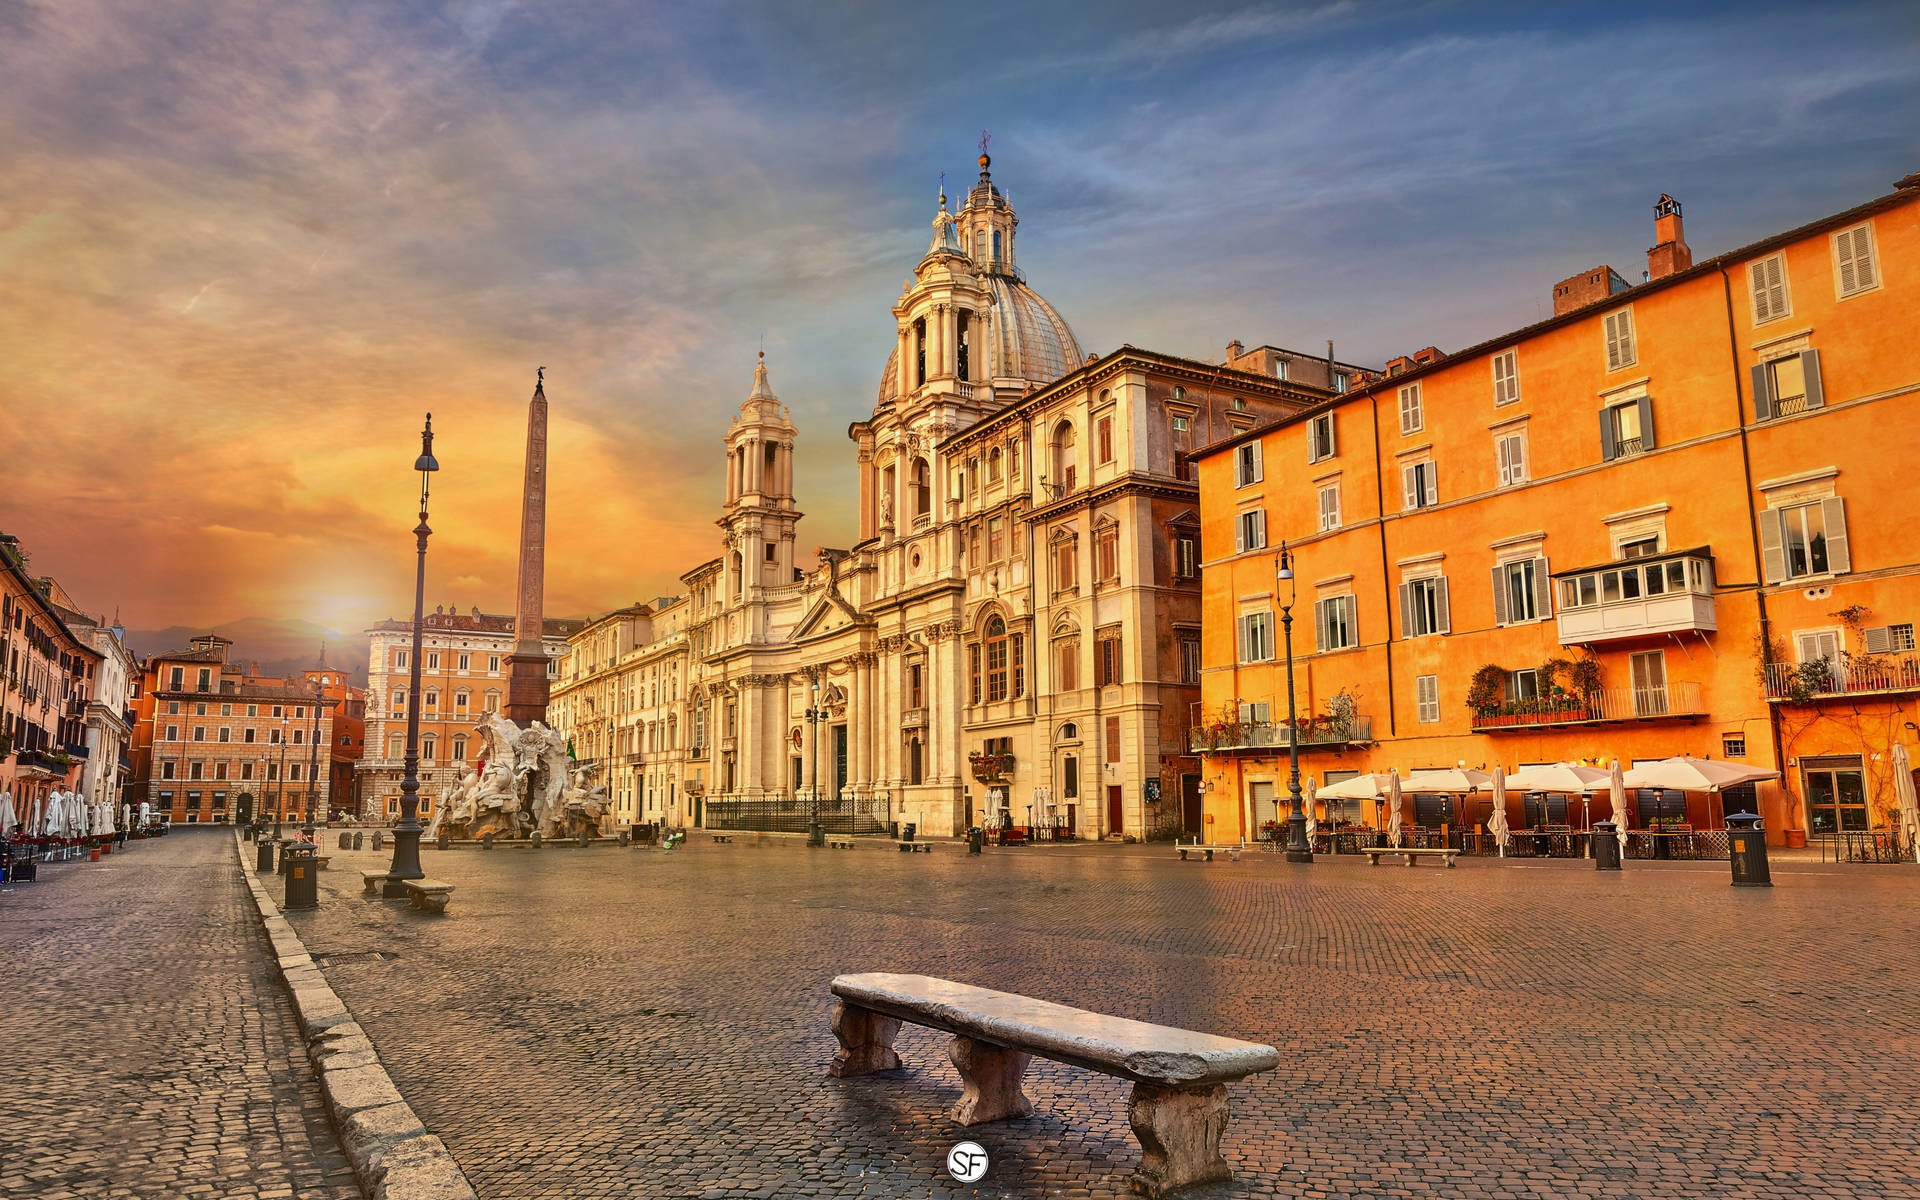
(997,659)
(1069,732)
(920,351)
(460,749)
(996,245)
(922,489)
(916,767)
(739,574)
(1064,465)
(993,465)
(980,245)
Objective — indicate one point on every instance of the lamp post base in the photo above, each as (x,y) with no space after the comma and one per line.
(406,861)
(815,835)
(1298,849)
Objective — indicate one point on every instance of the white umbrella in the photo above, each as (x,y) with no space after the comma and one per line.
(7,818)
(1617,796)
(1451,780)
(1570,778)
(1313,822)
(1497,823)
(52,820)
(1360,787)
(1685,774)
(1393,808)
(1903,791)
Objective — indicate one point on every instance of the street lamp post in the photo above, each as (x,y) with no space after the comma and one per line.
(1299,850)
(313,759)
(280,801)
(406,835)
(815,836)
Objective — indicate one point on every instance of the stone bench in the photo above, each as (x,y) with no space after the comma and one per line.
(1413,854)
(1206,850)
(429,895)
(372,881)
(916,847)
(723,837)
(320,861)
(839,843)
(1178,1109)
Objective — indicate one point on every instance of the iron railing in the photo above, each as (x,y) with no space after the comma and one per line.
(1847,675)
(846,817)
(1672,700)
(1278,735)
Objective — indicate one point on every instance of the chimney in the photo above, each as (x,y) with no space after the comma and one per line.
(1234,350)
(1670,253)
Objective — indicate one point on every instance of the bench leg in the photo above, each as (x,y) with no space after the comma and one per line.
(866,1041)
(1179,1131)
(436,903)
(991,1075)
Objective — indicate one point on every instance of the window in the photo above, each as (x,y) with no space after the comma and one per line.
(1112,739)
(199,733)
(1506,378)
(1420,483)
(493,702)
(1640,548)
(1648,672)
(226,733)
(1836,793)
(996,539)
(1785,386)
(1256,637)
(1340,381)
(396,745)
(1805,540)
(997,659)
(1186,556)
(1423,607)
(1329,507)
(1733,745)
(973,549)
(1621,351)
(1070,777)
(493,664)
(973,476)
(1520,591)
(1888,639)
(176,679)
(1106,553)
(429,747)
(460,749)
(1523,684)
(1250,530)
(1853,256)
(433,660)
(1320,441)
(993,465)
(1426,699)
(246,735)
(206,679)
(1767,286)
(1412,420)
(922,489)
(1103,437)
(246,771)
(916,691)
(1066,663)
(1333,624)
(1246,465)
(1511,451)
(433,698)
(299,737)
(1065,574)
(1107,658)
(1189,644)
(1626,428)
(173,733)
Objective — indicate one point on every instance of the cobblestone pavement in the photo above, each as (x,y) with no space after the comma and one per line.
(631,1023)
(150,1048)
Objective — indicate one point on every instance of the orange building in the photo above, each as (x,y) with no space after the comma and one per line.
(1667,520)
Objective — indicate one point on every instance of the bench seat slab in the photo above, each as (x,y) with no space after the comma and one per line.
(866,1042)
(1179,1131)
(991,1076)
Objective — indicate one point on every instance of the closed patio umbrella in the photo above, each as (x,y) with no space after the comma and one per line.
(7,817)
(1393,808)
(51,821)
(1617,796)
(1313,821)
(1497,823)
(1909,804)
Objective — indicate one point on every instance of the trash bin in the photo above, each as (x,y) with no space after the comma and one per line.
(893,830)
(303,884)
(975,837)
(906,832)
(263,861)
(1605,841)
(1747,850)
(246,833)
(286,853)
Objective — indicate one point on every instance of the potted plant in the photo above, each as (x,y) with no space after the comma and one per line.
(1484,690)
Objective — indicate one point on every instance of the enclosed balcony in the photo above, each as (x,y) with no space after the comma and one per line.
(1642,597)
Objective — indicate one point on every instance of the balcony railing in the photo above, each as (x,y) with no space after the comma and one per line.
(1671,702)
(1847,676)
(1228,736)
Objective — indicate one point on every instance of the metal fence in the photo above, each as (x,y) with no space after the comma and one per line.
(845,817)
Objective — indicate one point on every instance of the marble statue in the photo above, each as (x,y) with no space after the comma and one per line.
(560,801)
(583,804)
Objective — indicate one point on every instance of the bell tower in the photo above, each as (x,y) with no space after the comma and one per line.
(760,515)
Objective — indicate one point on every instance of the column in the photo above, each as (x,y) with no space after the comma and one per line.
(936,340)
(887,733)
(904,376)
(950,338)
(809,764)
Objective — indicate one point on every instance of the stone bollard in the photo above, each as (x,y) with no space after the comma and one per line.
(582,839)
(359,841)
(486,840)
(346,841)
(444,841)
(535,839)
(625,837)
(379,840)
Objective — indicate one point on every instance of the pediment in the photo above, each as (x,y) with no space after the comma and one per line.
(829,615)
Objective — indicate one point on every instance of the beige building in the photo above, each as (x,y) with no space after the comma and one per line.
(463,675)
(1017,627)
(620,700)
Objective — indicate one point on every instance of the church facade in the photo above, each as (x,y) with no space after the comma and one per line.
(1017,628)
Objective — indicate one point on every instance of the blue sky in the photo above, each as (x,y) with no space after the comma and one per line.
(250,243)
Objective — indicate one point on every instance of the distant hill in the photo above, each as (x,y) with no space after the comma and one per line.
(281,646)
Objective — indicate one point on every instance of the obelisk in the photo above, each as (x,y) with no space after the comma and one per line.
(527,665)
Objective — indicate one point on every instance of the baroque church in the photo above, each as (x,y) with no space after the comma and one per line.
(1017,628)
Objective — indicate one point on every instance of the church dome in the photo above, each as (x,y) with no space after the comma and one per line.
(1031,340)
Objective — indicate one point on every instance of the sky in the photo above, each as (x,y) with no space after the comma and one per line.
(245,247)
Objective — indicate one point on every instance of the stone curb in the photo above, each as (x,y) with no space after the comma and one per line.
(393,1155)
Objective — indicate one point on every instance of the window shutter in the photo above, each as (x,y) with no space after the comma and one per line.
(1839,558)
(1408,482)
(1333,440)
(1432,474)
(1863,264)
(1773,558)
(1240,629)
(1762,392)
(1542,590)
(1259,472)
(1810,366)
(1626,337)
(1609,449)
(1320,639)
(1239,532)
(1443,618)
(1499,595)
(1646,423)
(1849,278)
(1260,528)
(1878,640)
(1613,341)
(1506,466)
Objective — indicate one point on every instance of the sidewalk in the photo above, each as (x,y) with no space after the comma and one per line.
(151,1048)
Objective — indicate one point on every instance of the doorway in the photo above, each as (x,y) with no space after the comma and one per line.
(243,811)
(1836,793)
(1116,817)
(1190,815)
(839,781)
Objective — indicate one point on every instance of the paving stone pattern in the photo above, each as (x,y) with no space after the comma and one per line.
(150,1048)
(635,1023)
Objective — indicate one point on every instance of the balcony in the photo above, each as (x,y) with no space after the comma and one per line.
(1850,675)
(1668,593)
(1226,737)
(1673,702)
(914,718)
